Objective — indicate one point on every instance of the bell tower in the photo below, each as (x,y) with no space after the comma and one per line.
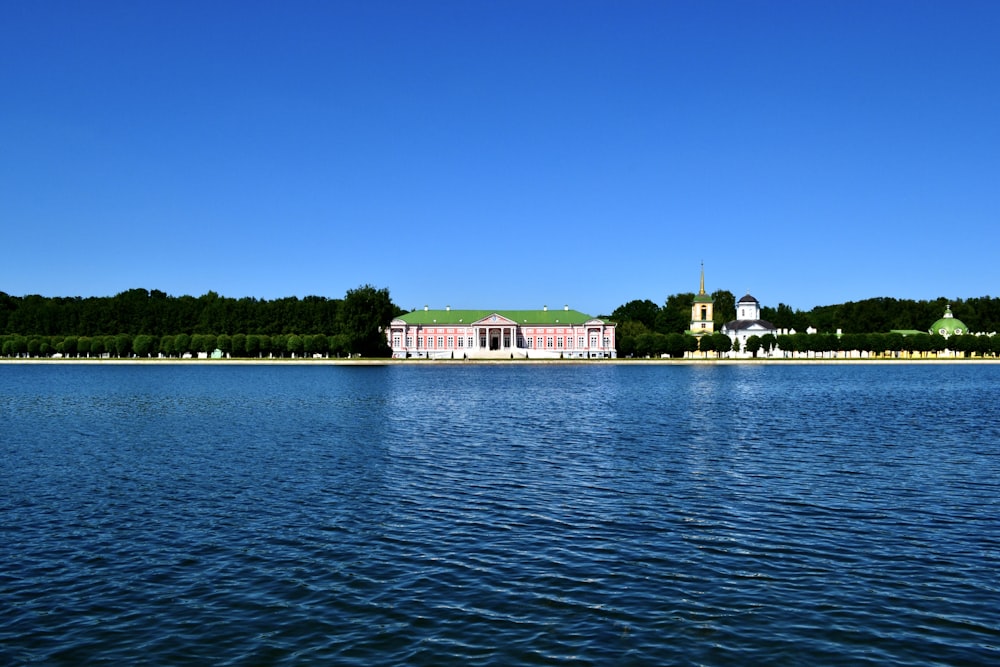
(702,310)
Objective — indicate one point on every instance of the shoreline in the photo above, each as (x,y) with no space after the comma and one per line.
(488,362)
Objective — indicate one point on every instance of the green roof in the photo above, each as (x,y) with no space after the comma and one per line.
(948,325)
(519,316)
(703,298)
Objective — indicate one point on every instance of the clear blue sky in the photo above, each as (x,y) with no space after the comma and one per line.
(502,154)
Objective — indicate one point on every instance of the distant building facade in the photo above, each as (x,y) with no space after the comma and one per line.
(501,334)
(747,322)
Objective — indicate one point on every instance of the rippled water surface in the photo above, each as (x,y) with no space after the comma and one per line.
(424,515)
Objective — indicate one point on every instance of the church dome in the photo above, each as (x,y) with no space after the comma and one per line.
(949,325)
(748,299)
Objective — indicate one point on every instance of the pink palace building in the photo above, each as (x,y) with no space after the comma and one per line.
(501,334)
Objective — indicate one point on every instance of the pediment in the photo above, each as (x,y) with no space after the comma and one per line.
(495,319)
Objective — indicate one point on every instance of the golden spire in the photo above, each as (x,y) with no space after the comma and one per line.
(701,290)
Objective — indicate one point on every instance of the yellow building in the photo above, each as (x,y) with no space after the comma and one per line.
(702,310)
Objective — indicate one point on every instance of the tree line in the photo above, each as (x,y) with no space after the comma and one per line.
(148,323)
(652,344)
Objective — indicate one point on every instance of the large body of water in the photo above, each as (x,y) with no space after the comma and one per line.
(591,514)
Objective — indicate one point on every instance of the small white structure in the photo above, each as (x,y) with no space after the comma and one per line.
(747,322)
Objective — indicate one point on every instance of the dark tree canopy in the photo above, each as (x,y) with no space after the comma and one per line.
(644,312)
(364,316)
(145,323)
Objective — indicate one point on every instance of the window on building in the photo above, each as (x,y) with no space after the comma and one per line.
(559,342)
(451,342)
(607,343)
(470,341)
(579,342)
(440,342)
(548,342)
(395,340)
(461,341)
(409,341)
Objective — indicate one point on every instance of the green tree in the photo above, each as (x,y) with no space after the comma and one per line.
(364,317)
(123,345)
(786,342)
(768,342)
(894,343)
(69,345)
(721,343)
(142,345)
(294,345)
(339,345)
(166,346)
(675,316)
(628,333)
(253,345)
(706,344)
(964,344)
(645,344)
(983,345)
(644,312)
(678,344)
(265,345)
(279,345)
(724,309)
(204,343)
(182,344)
(315,344)
(848,342)
(877,344)
(239,345)
(753,345)
(783,317)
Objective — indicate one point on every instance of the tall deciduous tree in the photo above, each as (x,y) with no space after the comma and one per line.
(644,311)
(724,309)
(364,316)
(675,316)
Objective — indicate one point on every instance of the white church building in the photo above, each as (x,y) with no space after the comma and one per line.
(748,322)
